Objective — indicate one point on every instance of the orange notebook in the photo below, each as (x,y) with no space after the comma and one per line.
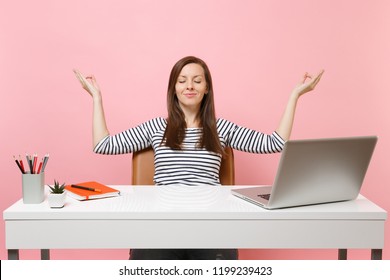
(102,191)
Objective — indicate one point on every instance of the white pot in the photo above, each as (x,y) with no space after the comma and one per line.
(56,200)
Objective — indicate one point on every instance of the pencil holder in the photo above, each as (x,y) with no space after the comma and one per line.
(33,188)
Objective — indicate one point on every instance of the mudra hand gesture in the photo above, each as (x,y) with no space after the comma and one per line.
(306,86)
(89,84)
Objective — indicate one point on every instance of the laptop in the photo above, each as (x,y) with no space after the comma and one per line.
(315,171)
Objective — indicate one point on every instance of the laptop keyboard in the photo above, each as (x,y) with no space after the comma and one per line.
(265,196)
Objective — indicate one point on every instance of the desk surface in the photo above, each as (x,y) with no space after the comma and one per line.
(191,217)
(178,202)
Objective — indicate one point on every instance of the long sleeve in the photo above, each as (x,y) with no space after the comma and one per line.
(248,140)
(131,140)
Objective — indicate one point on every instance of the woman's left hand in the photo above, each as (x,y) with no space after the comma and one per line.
(306,86)
(286,123)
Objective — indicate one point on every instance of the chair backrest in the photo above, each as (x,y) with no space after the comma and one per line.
(143,167)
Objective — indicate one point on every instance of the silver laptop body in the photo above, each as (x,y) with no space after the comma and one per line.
(315,171)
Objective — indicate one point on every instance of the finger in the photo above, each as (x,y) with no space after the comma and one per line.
(81,79)
(78,75)
(318,77)
(320,73)
(316,80)
(306,76)
(93,79)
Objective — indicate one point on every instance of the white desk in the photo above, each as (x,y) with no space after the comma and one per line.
(191,217)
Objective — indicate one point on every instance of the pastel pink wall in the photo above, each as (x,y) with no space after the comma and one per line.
(257,51)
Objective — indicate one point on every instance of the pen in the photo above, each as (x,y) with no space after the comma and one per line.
(21,164)
(45,159)
(86,188)
(18,163)
(39,168)
(29,163)
(35,159)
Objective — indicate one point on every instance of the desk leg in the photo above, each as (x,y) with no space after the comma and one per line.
(45,254)
(13,254)
(342,254)
(376,254)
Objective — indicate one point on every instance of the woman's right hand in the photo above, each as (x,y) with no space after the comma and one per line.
(99,127)
(89,84)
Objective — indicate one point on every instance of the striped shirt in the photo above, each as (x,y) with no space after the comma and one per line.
(191,165)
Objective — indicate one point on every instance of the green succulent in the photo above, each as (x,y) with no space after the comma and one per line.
(57,188)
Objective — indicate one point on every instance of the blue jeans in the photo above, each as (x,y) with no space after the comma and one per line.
(183,254)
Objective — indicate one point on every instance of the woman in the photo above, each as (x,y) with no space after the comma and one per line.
(189,144)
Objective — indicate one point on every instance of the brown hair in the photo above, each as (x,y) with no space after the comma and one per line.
(175,131)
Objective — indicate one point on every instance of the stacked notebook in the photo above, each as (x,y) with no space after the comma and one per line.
(90,190)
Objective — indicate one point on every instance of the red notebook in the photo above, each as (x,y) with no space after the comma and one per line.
(102,191)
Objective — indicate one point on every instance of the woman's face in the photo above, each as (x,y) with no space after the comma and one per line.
(191,86)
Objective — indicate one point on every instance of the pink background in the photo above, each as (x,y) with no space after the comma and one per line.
(257,52)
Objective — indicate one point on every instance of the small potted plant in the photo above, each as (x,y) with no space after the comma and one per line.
(57,195)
